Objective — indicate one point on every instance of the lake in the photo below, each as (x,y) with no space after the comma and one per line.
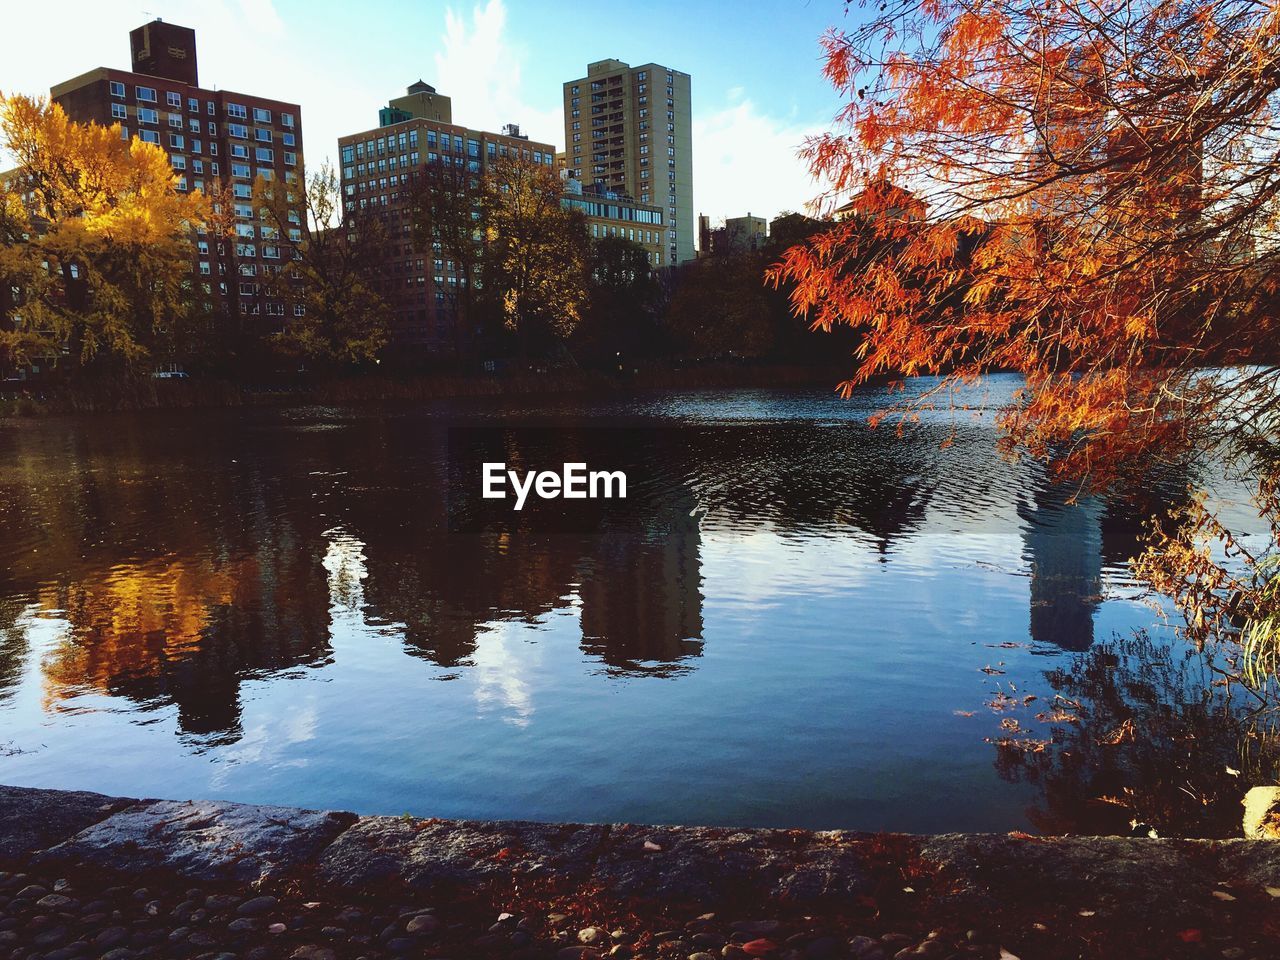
(795,620)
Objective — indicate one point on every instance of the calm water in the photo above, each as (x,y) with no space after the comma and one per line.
(809,629)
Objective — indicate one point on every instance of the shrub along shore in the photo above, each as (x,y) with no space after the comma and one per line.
(85,875)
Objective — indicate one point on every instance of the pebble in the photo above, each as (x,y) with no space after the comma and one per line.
(257,906)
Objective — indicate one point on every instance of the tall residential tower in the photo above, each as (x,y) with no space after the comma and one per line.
(629,131)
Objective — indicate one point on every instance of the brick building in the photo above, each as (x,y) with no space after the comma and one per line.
(213,138)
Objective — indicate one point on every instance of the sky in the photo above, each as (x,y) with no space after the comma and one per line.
(755,66)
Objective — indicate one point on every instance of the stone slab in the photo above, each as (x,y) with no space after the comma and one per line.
(32,819)
(205,840)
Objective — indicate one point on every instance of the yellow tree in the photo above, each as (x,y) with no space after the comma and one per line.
(94,243)
(535,253)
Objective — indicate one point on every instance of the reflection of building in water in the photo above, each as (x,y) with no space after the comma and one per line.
(642,599)
(1063,546)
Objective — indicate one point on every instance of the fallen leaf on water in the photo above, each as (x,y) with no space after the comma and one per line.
(1222,895)
(1190,935)
(1006,955)
(963,713)
(908,889)
(650,845)
(992,671)
(1087,913)
(1272,891)
(1233,773)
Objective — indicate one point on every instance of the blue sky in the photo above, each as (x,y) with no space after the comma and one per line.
(757,87)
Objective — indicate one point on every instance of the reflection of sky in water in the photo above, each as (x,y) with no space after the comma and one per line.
(266,611)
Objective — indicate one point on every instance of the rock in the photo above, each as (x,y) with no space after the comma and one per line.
(56,901)
(759,948)
(313,952)
(701,955)
(207,840)
(243,925)
(32,820)
(111,937)
(218,902)
(257,906)
(1262,813)
(591,935)
(31,892)
(423,924)
(758,927)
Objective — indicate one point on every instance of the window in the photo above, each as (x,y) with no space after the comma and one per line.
(236,110)
(173,99)
(117,89)
(119,111)
(240,151)
(212,129)
(193,105)
(197,166)
(175,121)
(211,108)
(261,116)
(262,136)
(124,133)
(150,136)
(240,170)
(290,158)
(148,115)
(243,191)
(193,125)
(286,120)
(145,93)
(299,310)
(348,155)
(238,130)
(289,140)
(177,141)
(179,162)
(265,155)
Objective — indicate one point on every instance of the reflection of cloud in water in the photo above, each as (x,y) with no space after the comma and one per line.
(344,561)
(265,743)
(500,662)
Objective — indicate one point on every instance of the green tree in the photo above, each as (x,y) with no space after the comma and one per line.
(618,325)
(447,211)
(331,288)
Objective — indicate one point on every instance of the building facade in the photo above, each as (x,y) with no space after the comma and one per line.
(609,214)
(738,235)
(217,141)
(380,170)
(628,130)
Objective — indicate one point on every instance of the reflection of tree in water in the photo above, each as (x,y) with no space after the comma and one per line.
(177,576)
(1142,735)
(14,646)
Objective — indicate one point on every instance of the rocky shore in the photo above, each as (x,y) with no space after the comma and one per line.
(88,876)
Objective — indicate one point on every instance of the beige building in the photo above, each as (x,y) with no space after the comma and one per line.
(628,130)
(610,214)
(380,168)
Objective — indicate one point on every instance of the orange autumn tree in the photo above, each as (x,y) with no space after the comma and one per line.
(1082,192)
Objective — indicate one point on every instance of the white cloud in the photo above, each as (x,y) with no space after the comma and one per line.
(745,161)
(479,67)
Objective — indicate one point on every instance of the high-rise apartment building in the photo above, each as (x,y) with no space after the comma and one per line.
(381,169)
(629,130)
(213,137)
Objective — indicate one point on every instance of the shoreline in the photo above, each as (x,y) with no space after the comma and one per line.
(860,895)
(222,394)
